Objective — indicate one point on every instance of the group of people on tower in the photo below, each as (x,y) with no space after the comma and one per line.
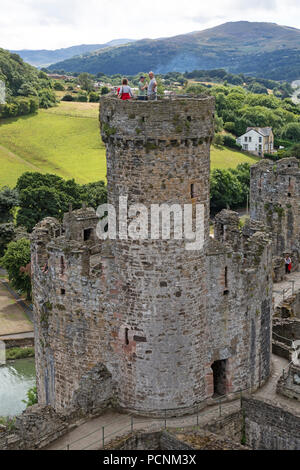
(147,91)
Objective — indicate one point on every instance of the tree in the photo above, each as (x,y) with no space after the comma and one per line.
(225,190)
(8,200)
(7,232)
(104,90)
(292,131)
(85,81)
(16,257)
(49,195)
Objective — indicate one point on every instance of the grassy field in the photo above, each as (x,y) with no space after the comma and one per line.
(66,141)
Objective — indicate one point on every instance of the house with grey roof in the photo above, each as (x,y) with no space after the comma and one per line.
(257,140)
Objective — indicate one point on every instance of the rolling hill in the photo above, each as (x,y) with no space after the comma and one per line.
(261,49)
(44,57)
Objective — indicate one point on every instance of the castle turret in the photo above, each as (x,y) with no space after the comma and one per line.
(159,152)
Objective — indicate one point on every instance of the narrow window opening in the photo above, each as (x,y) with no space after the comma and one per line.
(126,336)
(219,374)
(226,291)
(189,118)
(62,291)
(289,195)
(192,190)
(87,233)
(62,265)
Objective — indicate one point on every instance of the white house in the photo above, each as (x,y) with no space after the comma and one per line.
(257,140)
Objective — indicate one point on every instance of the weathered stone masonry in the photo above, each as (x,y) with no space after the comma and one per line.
(147,324)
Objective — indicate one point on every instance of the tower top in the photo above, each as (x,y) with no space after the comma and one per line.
(168,118)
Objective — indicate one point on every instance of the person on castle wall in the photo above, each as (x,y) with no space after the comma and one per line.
(125,92)
(288,264)
(152,87)
(143,85)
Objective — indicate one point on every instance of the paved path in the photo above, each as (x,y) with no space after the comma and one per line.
(282,290)
(89,435)
(12,317)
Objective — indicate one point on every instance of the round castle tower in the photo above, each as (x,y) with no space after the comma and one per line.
(159,152)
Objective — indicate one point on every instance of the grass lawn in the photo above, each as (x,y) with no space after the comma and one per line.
(65,140)
(223,158)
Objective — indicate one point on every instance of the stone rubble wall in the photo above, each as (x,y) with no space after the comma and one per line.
(268,427)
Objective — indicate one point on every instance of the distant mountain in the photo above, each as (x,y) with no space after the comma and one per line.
(262,49)
(44,57)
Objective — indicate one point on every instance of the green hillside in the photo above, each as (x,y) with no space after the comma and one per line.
(66,141)
(262,49)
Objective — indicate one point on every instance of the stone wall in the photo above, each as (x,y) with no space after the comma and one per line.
(35,428)
(289,383)
(274,196)
(268,427)
(229,426)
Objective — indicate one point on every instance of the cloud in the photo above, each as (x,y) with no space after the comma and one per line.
(37,24)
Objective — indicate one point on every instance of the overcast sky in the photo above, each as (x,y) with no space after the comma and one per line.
(51,24)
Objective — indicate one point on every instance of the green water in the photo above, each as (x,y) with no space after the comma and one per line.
(16,377)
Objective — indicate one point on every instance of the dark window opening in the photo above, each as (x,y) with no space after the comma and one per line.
(193,191)
(143,118)
(289,195)
(226,291)
(219,373)
(189,118)
(87,233)
(126,336)
(62,291)
(62,265)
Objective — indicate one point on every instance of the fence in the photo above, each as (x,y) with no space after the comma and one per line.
(129,423)
(287,291)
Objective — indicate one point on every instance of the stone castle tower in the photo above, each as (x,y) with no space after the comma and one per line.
(146,324)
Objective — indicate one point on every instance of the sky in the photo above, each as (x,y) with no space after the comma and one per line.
(52,24)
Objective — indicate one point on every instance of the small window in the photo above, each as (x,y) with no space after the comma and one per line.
(62,265)
(246,139)
(226,291)
(62,291)
(193,191)
(250,139)
(289,195)
(126,336)
(189,118)
(87,233)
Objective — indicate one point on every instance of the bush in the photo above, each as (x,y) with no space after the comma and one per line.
(231,142)
(47,98)
(229,126)
(67,97)
(104,90)
(93,97)
(218,139)
(58,86)
(19,353)
(32,397)
(82,97)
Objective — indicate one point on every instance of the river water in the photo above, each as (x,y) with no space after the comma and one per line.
(16,377)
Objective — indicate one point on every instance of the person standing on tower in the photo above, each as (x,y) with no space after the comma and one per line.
(125,93)
(143,85)
(152,87)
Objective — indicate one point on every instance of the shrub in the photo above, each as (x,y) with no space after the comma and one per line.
(82,97)
(231,142)
(58,86)
(67,97)
(93,97)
